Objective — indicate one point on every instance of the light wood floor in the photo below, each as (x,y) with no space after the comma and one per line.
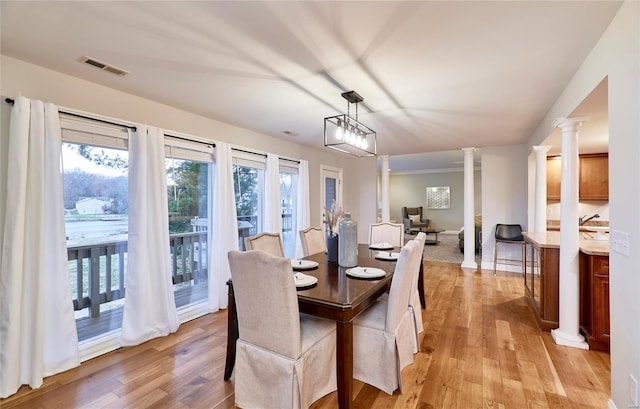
(481,349)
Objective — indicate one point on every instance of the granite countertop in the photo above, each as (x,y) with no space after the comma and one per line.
(551,239)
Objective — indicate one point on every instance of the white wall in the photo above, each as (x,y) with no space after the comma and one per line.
(504,198)
(616,55)
(409,189)
(32,81)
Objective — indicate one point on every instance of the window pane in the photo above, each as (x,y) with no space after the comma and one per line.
(288,196)
(96,222)
(188,198)
(249,191)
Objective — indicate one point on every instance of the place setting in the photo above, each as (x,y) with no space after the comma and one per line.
(381,246)
(365,273)
(387,255)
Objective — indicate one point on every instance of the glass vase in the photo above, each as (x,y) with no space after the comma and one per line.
(348,243)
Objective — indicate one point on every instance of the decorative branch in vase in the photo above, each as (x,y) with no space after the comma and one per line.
(332,218)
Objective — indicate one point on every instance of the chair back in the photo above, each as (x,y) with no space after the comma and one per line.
(508,232)
(386,233)
(400,291)
(268,242)
(313,241)
(411,211)
(266,301)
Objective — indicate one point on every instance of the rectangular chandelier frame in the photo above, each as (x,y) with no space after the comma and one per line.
(361,142)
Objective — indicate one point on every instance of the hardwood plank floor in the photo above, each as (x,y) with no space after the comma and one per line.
(481,349)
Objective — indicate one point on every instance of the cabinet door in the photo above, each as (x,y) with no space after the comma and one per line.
(601,308)
(553,177)
(594,177)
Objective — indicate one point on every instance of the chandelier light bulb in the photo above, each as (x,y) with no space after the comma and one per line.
(339,131)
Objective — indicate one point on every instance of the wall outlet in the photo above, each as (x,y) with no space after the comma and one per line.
(633,390)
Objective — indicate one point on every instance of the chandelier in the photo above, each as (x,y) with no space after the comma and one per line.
(346,134)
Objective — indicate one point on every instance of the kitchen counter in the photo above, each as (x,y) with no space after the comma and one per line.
(586,244)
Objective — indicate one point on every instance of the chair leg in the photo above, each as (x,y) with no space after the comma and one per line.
(495,260)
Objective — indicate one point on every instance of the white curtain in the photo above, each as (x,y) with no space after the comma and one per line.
(302,210)
(272,207)
(223,230)
(37,328)
(149,306)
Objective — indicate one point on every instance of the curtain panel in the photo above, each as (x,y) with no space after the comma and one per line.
(223,228)
(37,326)
(149,305)
(303,206)
(272,208)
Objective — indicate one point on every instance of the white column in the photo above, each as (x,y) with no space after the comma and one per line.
(540,211)
(384,188)
(469,228)
(569,304)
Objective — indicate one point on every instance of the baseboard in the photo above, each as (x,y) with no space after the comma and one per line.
(611,405)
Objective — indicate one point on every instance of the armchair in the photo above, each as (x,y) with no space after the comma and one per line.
(412,219)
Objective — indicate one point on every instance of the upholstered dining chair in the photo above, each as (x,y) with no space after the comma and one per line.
(267,242)
(284,359)
(386,233)
(415,306)
(313,241)
(383,334)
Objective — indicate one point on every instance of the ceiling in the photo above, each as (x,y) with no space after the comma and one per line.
(435,76)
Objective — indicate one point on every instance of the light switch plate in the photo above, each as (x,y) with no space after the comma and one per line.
(619,242)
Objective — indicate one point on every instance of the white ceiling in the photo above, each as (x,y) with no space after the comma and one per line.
(435,76)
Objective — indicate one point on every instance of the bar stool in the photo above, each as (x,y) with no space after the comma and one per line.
(508,234)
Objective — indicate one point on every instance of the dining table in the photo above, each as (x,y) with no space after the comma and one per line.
(336,296)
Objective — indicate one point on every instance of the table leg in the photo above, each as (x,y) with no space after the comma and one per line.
(421,285)
(232,334)
(344,363)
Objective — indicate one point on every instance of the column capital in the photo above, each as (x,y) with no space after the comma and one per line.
(569,123)
(467,150)
(541,149)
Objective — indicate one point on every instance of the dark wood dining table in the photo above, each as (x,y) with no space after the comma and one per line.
(336,297)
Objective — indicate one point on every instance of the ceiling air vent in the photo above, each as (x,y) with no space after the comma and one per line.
(104,66)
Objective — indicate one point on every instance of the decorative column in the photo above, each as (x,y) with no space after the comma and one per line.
(469,227)
(384,189)
(540,211)
(569,303)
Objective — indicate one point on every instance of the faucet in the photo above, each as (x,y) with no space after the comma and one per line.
(582,220)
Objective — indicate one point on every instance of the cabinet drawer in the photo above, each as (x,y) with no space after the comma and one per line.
(600,265)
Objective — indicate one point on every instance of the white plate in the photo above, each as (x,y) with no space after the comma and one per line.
(304,280)
(381,246)
(303,264)
(366,272)
(387,255)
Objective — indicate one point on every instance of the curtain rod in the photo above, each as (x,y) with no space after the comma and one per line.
(210,144)
(264,155)
(133,128)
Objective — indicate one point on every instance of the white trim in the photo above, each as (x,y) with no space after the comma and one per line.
(415,172)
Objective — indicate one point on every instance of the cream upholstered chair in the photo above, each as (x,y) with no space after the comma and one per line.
(386,233)
(268,242)
(415,306)
(383,334)
(284,359)
(313,241)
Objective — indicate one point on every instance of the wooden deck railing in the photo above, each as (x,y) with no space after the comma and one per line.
(98,270)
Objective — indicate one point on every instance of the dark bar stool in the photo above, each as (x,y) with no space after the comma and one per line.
(508,234)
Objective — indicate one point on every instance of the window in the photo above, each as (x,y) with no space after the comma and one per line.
(95,166)
(248,182)
(288,198)
(187,165)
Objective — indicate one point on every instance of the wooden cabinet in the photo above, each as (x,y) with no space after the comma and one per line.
(594,300)
(593,173)
(594,177)
(541,280)
(553,178)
